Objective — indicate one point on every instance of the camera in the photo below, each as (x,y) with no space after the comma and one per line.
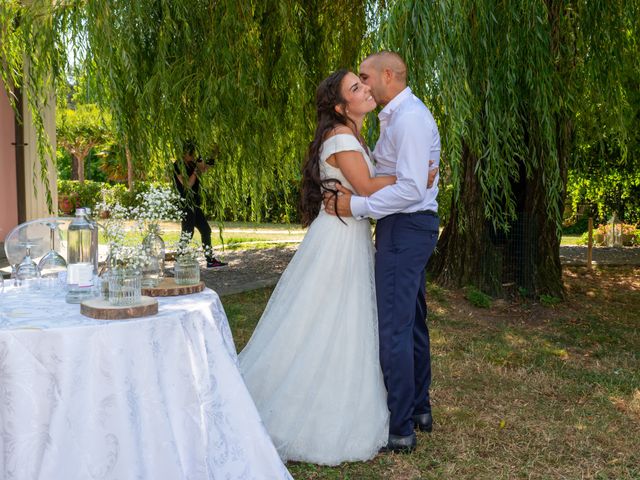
(209,161)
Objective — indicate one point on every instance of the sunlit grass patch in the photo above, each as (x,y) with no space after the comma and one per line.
(519,390)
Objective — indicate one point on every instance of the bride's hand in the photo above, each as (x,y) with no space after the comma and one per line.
(432,174)
(343,202)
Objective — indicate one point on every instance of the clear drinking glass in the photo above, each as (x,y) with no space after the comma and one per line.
(52,264)
(27,272)
(186,271)
(125,286)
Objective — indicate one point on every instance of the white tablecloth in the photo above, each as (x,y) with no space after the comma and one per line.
(154,398)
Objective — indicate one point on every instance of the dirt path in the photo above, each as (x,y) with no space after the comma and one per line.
(251,269)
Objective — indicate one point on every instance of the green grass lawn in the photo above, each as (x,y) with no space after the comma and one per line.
(234,235)
(521,390)
(570,239)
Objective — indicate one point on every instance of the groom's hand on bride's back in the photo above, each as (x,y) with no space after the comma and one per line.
(343,203)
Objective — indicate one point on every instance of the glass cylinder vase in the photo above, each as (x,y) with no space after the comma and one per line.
(125,286)
(187,271)
(153,271)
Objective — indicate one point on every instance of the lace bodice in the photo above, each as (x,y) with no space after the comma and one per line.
(343,142)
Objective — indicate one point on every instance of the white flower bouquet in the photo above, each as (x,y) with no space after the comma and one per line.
(187,250)
(188,255)
(123,252)
(156,205)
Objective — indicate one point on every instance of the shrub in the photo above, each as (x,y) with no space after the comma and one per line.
(549,300)
(629,233)
(581,225)
(477,298)
(90,193)
(86,194)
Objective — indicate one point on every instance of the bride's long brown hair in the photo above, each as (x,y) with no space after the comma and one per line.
(328,95)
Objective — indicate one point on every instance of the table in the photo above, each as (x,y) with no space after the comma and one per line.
(153,398)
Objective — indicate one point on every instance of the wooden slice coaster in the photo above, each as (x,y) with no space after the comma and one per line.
(169,288)
(101,309)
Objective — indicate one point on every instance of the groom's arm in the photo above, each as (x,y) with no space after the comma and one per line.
(412,139)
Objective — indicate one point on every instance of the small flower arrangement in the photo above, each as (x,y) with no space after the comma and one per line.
(154,206)
(122,252)
(187,250)
(188,255)
(134,257)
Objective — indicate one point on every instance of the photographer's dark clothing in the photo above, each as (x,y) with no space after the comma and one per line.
(193,215)
(189,168)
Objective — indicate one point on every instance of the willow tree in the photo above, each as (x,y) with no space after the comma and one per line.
(510,84)
(238,77)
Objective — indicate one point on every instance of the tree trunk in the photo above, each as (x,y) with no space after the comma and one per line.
(463,255)
(74,166)
(129,169)
(523,260)
(81,158)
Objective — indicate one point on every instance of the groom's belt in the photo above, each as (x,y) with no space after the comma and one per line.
(422,212)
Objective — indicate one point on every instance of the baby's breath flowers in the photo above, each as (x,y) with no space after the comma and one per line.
(156,204)
(187,250)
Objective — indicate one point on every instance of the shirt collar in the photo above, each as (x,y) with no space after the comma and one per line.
(394,104)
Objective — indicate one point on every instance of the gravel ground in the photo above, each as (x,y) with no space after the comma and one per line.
(257,268)
(577,255)
(247,269)
(251,269)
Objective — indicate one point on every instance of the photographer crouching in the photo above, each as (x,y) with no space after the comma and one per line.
(186,176)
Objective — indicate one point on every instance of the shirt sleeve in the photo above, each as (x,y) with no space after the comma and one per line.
(412,138)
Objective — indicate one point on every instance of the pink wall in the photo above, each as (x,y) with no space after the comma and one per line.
(8,189)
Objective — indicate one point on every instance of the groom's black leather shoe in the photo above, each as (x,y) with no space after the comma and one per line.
(423,422)
(400,444)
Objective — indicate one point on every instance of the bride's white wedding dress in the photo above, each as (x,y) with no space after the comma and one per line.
(312,363)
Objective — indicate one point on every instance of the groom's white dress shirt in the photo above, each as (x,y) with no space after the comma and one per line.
(409,138)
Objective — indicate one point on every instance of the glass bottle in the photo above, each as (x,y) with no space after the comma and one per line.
(153,271)
(81,252)
(94,239)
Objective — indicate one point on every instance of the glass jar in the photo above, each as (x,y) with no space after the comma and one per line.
(187,271)
(153,271)
(125,286)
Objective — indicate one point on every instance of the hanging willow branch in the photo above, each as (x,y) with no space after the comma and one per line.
(236,76)
(508,80)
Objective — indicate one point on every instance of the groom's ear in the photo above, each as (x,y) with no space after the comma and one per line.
(387,75)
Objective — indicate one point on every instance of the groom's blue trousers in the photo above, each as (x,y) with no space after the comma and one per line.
(404,243)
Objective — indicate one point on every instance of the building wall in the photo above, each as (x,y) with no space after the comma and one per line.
(34,202)
(8,188)
(36,199)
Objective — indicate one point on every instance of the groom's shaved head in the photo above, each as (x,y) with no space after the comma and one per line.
(389,60)
(385,73)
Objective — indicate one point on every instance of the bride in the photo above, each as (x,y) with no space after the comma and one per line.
(312,363)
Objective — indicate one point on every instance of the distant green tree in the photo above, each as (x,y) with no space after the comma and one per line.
(79,132)
(604,173)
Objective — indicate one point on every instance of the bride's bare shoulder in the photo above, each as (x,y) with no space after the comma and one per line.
(339,130)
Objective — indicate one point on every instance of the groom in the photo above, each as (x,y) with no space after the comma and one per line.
(406,234)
